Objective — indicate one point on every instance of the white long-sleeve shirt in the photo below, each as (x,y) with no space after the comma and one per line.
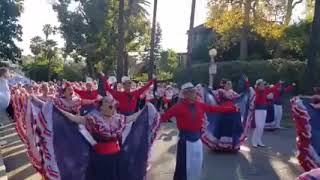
(4,94)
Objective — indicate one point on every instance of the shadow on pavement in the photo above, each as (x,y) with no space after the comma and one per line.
(16,161)
(19,147)
(7,131)
(220,165)
(12,144)
(24,174)
(15,156)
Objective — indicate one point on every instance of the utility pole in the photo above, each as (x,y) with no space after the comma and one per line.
(190,37)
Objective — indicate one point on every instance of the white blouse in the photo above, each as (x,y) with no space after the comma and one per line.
(4,94)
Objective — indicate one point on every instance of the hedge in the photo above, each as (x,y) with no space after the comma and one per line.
(270,70)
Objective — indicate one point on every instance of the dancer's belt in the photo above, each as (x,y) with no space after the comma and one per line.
(189,136)
(110,147)
(127,113)
(262,107)
(278,102)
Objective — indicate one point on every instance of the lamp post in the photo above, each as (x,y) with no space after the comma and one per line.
(213,66)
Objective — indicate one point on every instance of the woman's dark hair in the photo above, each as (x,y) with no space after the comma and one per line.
(3,70)
(66,86)
(223,82)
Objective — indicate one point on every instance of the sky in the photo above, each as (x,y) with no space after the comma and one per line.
(173,16)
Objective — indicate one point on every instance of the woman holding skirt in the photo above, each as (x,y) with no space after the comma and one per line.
(106,127)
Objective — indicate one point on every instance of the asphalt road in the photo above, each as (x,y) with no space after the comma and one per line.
(277,161)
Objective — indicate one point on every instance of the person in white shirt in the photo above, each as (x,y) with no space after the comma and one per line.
(5,95)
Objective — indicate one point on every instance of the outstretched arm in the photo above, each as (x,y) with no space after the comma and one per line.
(133,117)
(74,118)
(77,90)
(316,106)
(33,97)
(316,97)
(87,101)
(106,85)
(141,90)
(170,113)
(221,109)
(289,88)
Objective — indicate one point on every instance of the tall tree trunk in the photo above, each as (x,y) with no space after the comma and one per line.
(245,31)
(120,52)
(152,43)
(190,38)
(288,12)
(126,64)
(314,45)
(90,68)
(49,70)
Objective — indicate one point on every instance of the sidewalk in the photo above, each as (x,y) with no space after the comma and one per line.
(276,162)
(15,157)
(3,175)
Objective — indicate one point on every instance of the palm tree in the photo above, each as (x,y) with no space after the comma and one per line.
(137,9)
(138,6)
(152,43)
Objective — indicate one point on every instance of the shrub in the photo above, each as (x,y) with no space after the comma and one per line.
(270,70)
(74,72)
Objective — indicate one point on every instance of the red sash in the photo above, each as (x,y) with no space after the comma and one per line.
(110,147)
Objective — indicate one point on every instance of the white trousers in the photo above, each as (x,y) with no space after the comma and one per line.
(260,120)
(278,111)
(194,159)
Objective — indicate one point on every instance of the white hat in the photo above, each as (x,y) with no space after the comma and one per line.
(187,85)
(259,81)
(125,79)
(112,79)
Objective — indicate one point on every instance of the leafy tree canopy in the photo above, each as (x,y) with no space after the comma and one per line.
(10,29)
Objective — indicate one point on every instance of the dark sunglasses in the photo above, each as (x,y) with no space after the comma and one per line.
(190,90)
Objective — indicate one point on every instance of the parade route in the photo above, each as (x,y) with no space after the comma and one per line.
(277,161)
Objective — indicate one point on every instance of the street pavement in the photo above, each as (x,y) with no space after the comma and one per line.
(277,161)
(15,157)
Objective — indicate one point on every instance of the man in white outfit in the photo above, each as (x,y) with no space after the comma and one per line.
(4,97)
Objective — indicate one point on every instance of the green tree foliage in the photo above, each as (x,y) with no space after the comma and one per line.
(269,70)
(10,29)
(255,19)
(169,61)
(157,49)
(74,71)
(314,46)
(295,40)
(90,28)
(46,54)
